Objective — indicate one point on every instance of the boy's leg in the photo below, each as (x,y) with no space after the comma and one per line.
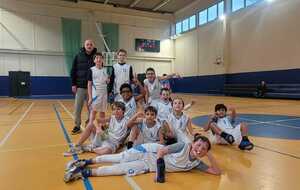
(134,133)
(86,133)
(103,150)
(245,143)
(228,137)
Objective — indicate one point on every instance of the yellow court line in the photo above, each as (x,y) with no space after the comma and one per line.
(16,126)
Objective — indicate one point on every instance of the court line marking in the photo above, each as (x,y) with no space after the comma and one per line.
(32,148)
(129,180)
(15,108)
(15,126)
(270,122)
(86,181)
(278,152)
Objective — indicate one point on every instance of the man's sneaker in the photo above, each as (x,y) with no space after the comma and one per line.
(76,164)
(76,130)
(246,145)
(73,174)
(74,150)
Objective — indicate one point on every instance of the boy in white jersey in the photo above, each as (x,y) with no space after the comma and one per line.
(121,73)
(180,123)
(143,159)
(145,128)
(152,85)
(97,88)
(223,130)
(104,141)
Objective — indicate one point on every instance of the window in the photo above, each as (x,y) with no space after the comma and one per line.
(178,29)
(237,5)
(251,2)
(203,17)
(212,13)
(185,25)
(221,8)
(192,21)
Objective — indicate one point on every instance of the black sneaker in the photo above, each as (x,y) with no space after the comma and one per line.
(76,130)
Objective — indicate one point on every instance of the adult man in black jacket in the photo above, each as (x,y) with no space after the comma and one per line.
(83,61)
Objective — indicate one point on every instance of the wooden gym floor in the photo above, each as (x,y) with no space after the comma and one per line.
(32,142)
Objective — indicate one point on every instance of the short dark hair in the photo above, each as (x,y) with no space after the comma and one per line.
(150,69)
(220,106)
(198,136)
(151,109)
(97,54)
(121,50)
(125,85)
(120,105)
(177,98)
(164,89)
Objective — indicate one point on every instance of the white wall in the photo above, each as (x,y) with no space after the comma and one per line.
(262,37)
(31,37)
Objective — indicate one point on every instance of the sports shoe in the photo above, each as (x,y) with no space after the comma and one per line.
(76,164)
(73,174)
(246,145)
(76,130)
(74,150)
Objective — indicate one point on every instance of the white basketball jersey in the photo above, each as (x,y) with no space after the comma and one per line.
(99,77)
(130,107)
(179,127)
(117,129)
(150,134)
(153,88)
(225,123)
(121,76)
(164,109)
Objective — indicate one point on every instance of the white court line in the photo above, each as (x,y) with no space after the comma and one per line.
(270,122)
(16,126)
(129,180)
(32,148)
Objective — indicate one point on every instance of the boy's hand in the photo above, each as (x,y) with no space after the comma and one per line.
(108,80)
(89,102)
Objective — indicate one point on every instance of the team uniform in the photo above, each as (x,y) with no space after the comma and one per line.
(130,107)
(122,74)
(179,127)
(226,124)
(142,159)
(99,88)
(148,134)
(164,109)
(154,89)
(115,135)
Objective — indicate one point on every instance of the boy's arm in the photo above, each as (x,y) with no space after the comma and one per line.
(213,168)
(189,127)
(211,119)
(168,76)
(141,88)
(146,93)
(232,112)
(134,120)
(90,99)
(170,149)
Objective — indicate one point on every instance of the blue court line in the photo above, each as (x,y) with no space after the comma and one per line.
(270,122)
(86,181)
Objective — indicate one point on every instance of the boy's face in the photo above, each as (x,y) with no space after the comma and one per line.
(221,112)
(150,75)
(165,95)
(199,148)
(121,57)
(98,60)
(150,116)
(126,94)
(118,112)
(177,105)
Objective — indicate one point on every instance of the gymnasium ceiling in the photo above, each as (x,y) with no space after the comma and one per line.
(159,6)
